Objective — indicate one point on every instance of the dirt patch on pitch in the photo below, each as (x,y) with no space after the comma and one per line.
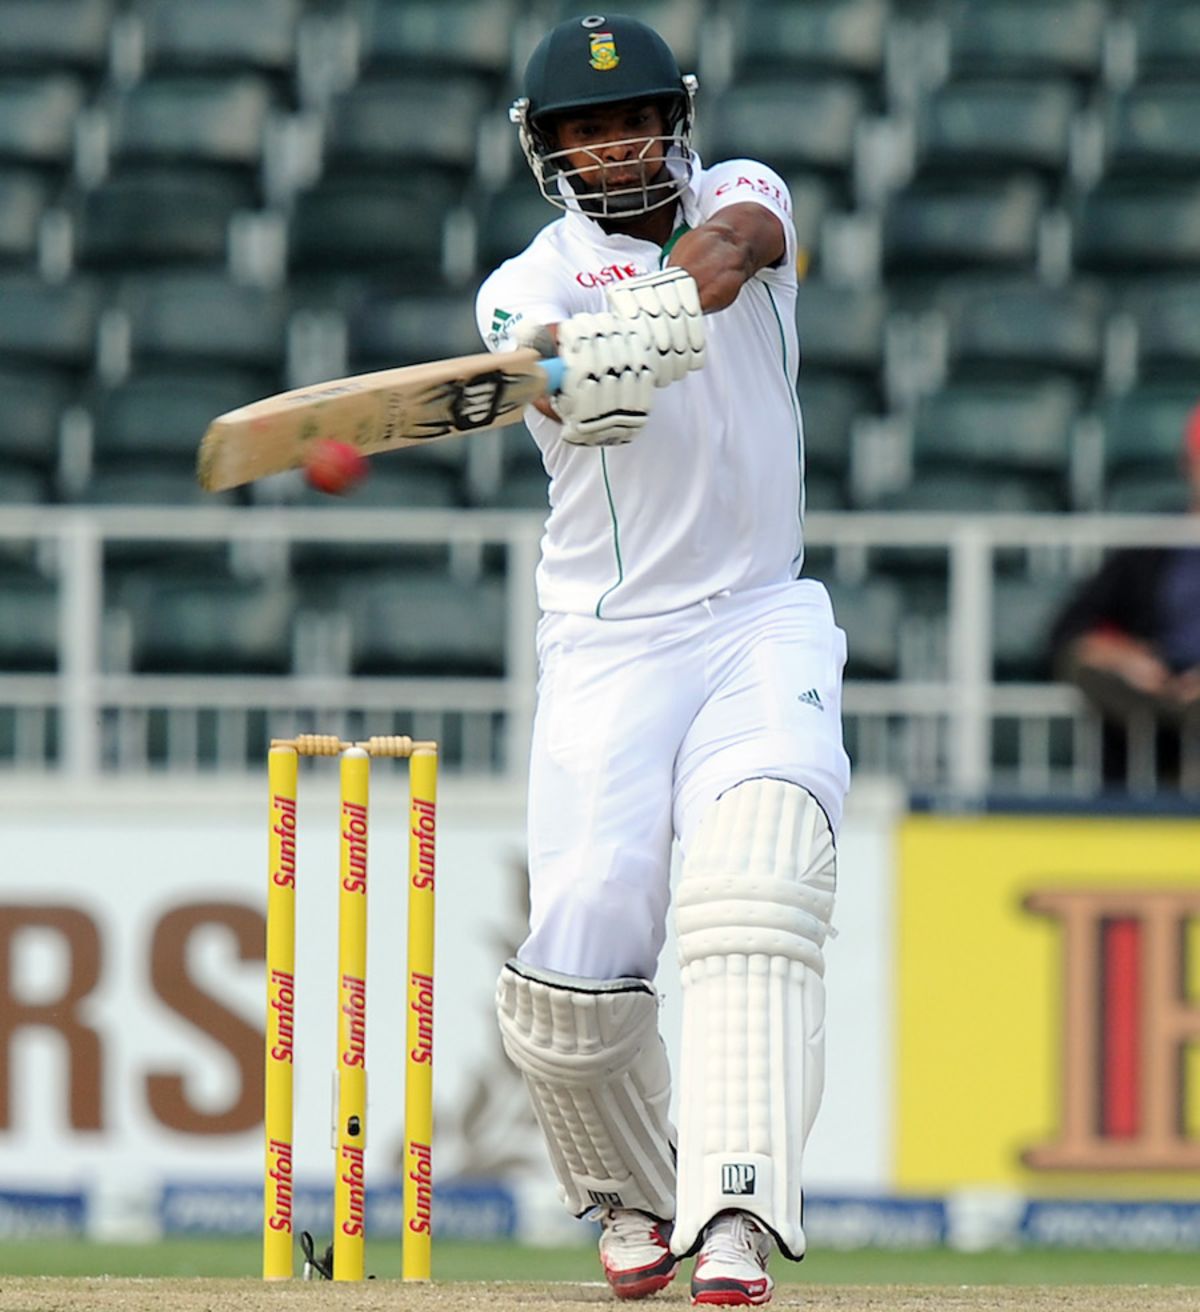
(45,1294)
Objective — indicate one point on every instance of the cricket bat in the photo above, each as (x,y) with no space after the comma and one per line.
(374,412)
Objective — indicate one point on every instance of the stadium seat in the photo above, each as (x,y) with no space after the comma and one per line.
(1132,226)
(1021,431)
(1023,612)
(1021,328)
(474,36)
(870,613)
(29,622)
(220,35)
(1168,39)
(34,401)
(942,491)
(420,120)
(1166,313)
(524,488)
(405,479)
(194,120)
(146,483)
(943,224)
(391,227)
(1143,445)
(995,126)
(203,318)
(48,323)
(1026,38)
(55,34)
(20,486)
(208,625)
(812,198)
(37,119)
(388,331)
(841,328)
(1150,130)
(830,403)
(157,418)
(508,220)
(820,36)
(792,124)
(430,625)
(23,197)
(158,216)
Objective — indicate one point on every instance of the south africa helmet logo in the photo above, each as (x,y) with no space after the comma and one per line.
(604,55)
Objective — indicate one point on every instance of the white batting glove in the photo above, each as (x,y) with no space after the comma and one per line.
(668,302)
(609,380)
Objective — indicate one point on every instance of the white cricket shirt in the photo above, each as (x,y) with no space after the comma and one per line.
(707,498)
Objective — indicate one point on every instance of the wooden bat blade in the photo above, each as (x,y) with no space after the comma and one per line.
(374,412)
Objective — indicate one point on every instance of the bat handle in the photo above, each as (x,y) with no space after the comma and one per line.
(555,369)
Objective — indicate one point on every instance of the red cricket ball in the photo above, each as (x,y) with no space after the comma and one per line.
(334,467)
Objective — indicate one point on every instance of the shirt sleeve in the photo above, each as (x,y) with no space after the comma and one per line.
(516,292)
(738,181)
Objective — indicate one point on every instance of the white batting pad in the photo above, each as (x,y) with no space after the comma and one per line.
(755,899)
(598,1076)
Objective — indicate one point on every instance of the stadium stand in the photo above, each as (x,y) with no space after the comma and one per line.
(998,214)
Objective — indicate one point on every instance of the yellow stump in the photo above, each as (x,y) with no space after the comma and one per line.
(418,1081)
(281,1012)
(350,1130)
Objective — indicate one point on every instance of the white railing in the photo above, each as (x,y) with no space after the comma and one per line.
(934,726)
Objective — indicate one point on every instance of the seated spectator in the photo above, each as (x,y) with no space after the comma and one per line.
(1130,639)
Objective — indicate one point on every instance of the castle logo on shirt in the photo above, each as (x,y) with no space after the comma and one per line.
(608,275)
(604,57)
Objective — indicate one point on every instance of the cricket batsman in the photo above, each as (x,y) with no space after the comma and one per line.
(689,679)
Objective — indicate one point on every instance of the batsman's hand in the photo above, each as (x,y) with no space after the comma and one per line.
(609,381)
(668,304)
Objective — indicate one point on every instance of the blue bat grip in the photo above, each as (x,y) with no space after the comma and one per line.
(555,369)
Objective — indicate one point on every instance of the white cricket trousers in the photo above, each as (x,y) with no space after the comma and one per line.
(642,724)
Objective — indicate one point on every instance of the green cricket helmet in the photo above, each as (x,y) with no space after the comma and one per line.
(588,63)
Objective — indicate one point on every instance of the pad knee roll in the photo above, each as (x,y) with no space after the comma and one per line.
(600,1084)
(752,913)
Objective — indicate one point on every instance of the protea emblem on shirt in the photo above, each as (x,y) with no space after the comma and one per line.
(604,55)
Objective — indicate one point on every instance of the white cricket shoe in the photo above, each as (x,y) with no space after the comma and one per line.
(635,1251)
(731,1267)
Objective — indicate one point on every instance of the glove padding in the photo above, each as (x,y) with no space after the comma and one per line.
(668,303)
(609,380)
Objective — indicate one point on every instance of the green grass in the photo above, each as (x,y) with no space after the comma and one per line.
(491,1261)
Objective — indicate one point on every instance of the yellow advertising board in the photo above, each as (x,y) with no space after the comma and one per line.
(1048,1006)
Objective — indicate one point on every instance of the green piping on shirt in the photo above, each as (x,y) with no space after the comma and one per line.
(670,246)
(616,532)
(795,412)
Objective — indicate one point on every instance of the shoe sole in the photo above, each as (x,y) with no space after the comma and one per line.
(729,1293)
(641,1284)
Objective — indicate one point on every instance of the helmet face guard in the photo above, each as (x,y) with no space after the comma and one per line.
(561,178)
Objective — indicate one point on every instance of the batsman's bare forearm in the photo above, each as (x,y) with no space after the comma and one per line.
(723,254)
